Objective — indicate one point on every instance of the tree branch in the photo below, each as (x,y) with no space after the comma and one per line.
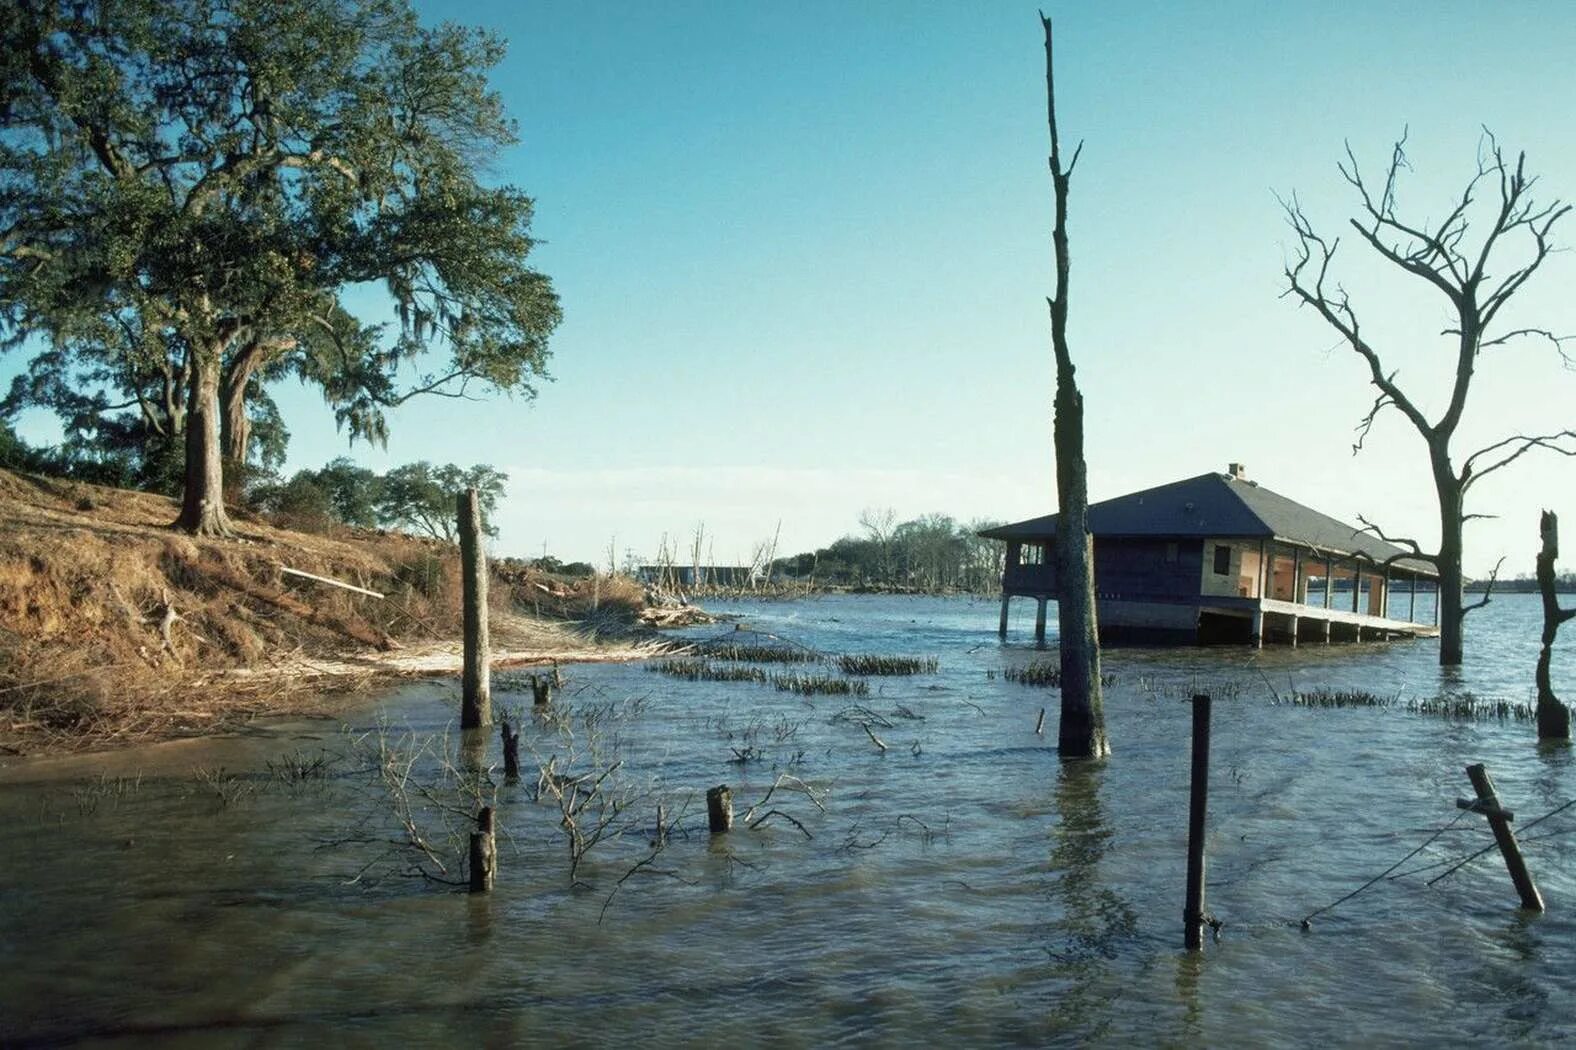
(1493,578)
(1415,550)
(1556,442)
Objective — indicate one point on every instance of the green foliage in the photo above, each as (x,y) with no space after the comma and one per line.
(419,497)
(929,553)
(191,185)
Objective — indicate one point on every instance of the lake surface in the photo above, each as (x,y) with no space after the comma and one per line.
(961,887)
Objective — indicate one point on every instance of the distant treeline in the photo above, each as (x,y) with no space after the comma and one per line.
(1564,582)
(930,553)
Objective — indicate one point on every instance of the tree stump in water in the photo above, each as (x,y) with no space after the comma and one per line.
(1554,718)
(719,808)
(542,690)
(484,854)
(511,752)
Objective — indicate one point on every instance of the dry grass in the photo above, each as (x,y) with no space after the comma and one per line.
(86,572)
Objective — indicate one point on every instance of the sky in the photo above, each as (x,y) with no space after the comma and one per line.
(803,251)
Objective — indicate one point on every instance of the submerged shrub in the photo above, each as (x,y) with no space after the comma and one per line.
(811,685)
(873,664)
(701,671)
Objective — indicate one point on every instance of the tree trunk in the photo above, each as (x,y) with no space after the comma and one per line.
(1554,718)
(235,430)
(202,504)
(1448,488)
(1082,732)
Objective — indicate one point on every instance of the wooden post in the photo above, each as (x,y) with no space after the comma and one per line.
(1258,627)
(1039,727)
(1193,909)
(1357,589)
(1296,576)
(1411,612)
(1039,624)
(476,681)
(484,855)
(1294,624)
(511,752)
(1329,580)
(1499,820)
(1002,631)
(719,808)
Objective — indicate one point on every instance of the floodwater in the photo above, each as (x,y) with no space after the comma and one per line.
(961,887)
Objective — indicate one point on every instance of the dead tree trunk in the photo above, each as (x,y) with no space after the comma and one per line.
(202,503)
(476,683)
(1082,733)
(1554,718)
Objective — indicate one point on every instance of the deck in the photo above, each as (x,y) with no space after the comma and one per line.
(1295,622)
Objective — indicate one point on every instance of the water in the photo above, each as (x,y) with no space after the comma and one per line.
(962,887)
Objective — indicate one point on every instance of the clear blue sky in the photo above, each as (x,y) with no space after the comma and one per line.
(803,250)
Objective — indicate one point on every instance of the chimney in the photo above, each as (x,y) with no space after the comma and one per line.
(1237,471)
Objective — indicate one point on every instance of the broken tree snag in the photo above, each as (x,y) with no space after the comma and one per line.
(476,683)
(1554,718)
(719,808)
(1082,732)
(511,752)
(1499,819)
(542,689)
(484,853)
(1198,802)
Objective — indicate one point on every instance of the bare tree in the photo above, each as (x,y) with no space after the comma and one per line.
(1440,254)
(880,522)
(1554,718)
(1082,733)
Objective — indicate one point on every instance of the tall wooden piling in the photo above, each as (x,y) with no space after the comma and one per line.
(1499,820)
(719,808)
(1193,910)
(476,683)
(484,853)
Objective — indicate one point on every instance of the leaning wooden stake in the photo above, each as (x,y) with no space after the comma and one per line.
(1193,911)
(1499,819)
(719,808)
(476,705)
(511,752)
(484,854)
(1554,718)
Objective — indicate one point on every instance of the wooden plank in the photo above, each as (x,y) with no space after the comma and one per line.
(287,570)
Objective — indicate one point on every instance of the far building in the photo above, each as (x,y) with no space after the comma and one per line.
(1219,558)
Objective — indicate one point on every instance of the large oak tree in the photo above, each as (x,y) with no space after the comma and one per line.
(188,188)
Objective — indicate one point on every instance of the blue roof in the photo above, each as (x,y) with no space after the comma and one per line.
(1220,505)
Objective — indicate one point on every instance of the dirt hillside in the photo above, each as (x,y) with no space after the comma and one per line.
(114,628)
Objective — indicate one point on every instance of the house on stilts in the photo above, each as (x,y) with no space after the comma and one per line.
(1219,558)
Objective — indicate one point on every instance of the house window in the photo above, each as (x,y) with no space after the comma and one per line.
(1222,560)
(1032,554)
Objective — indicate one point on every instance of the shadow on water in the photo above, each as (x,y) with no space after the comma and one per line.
(1094,921)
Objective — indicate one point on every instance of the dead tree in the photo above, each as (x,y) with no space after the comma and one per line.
(1477,281)
(1082,733)
(1554,718)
